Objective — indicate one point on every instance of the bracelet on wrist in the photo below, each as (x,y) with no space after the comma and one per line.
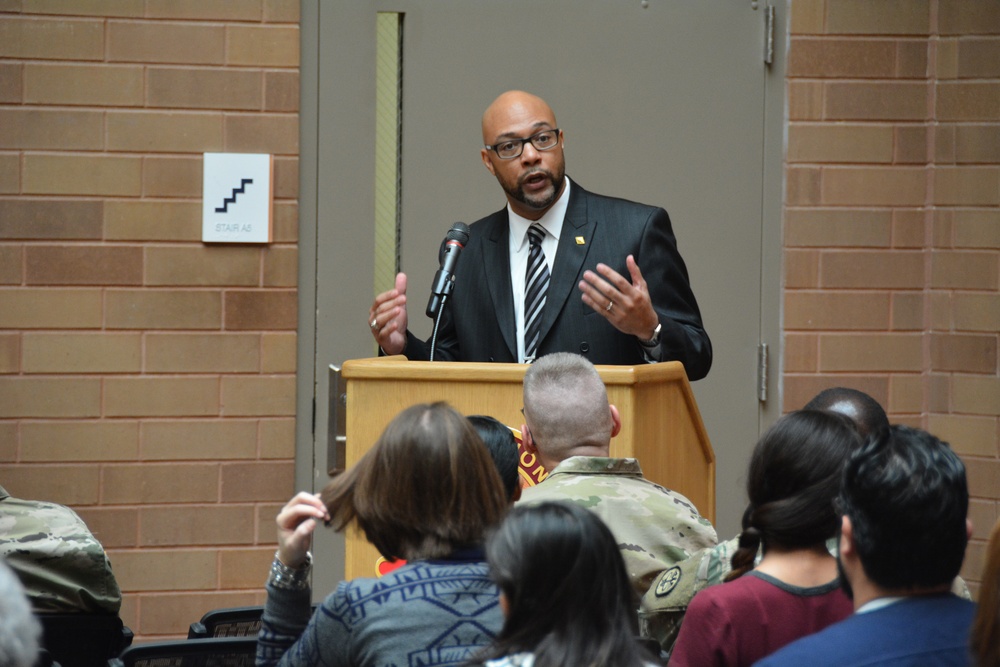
(290,578)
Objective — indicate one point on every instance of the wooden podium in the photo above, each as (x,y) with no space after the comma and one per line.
(661,424)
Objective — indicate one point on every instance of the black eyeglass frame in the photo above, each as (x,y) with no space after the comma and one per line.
(522,141)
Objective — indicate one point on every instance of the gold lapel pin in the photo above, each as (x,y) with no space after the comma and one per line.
(580,240)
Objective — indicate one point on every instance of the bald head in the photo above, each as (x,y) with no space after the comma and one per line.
(865,411)
(513,108)
(566,407)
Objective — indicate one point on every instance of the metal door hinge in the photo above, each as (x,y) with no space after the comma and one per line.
(769,35)
(762,372)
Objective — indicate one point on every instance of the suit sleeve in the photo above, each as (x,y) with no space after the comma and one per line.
(683,337)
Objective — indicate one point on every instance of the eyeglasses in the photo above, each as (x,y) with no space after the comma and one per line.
(509,149)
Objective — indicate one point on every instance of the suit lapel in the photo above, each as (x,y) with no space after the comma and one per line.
(496,263)
(569,257)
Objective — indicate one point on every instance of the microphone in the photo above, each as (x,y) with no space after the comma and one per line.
(444,279)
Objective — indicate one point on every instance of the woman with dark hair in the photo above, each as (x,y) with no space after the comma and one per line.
(986,627)
(503,449)
(425,492)
(792,481)
(564,591)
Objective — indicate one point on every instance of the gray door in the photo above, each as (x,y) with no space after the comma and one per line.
(660,102)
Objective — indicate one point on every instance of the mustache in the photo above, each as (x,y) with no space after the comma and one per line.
(534,172)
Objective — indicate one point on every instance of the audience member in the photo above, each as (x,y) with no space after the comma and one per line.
(868,416)
(569,427)
(564,591)
(986,628)
(792,481)
(426,492)
(503,448)
(20,631)
(904,499)
(60,563)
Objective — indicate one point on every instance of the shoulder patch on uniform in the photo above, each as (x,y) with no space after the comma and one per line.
(668,581)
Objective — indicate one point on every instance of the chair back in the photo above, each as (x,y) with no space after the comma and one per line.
(212,652)
(83,639)
(229,622)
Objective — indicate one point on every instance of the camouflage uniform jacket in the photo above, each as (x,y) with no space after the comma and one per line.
(60,563)
(655,527)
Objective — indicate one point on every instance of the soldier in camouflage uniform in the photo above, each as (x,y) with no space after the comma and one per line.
(60,563)
(569,427)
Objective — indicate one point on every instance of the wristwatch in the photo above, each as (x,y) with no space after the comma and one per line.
(655,340)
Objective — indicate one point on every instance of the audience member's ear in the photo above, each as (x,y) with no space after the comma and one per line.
(846,545)
(616,421)
(968,529)
(527,441)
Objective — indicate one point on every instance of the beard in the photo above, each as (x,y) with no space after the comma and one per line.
(543,199)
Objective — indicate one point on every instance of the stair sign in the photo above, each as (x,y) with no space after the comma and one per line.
(238,198)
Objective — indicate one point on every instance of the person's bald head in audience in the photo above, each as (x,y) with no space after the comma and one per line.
(865,411)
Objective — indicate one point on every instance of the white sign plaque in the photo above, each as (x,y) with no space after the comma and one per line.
(237,198)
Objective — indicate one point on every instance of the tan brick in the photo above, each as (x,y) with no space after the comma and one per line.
(11,84)
(113,527)
(172,613)
(907,311)
(8,442)
(203,265)
(163,309)
(977,312)
(165,570)
(251,482)
(967,186)
(802,186)
(889,17)
(286,222)
(870,352)
(10,352)
(61,39)
(801,268)
(281,11)
(160,42)
(68,485)
(129,612)
(874,186)
(976,17)
(278,353)
(173,177)
(204,88)
(148,483)
(965,269)
(286,177)
(50,219)
(222,10)
(146,220)
(840,143)
(281,267)
(281,91)
(976,395)
(836,310)
(161,397)
(964,353)
(940,310)
(164,131)
(983,476)
(941,227)
(277,439)
(26,128)
(977,144)
(979,58)
(260,133)
(984,516)
(211,439)
(269,46)
(946,61)
(968,436)
(875,101)
(911,59)
(64,441)
(10,174)
(872,269)
(242,568)
(800,389)
(944,144)
(81,175)
(82,353)
(908,228)
(975,559)
(911,145)
(196,525)
(99,85)
(967,101)
(83,265)
(906,394)
(49,397)
(800,353)
(841,58)
(49,308)
(250,396)
(85,7)
(11,261)
(939,392)
(202,353)
(253,310)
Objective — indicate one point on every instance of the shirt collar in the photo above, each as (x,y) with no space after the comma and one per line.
(551,221)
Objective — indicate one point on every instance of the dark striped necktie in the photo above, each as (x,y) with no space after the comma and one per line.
(536,284)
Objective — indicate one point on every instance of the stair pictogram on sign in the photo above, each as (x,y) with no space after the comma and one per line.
(232,200)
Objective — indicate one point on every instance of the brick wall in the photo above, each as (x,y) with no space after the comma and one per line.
(146,379)
(892,220)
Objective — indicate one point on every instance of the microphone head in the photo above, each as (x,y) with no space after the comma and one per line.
(458,232)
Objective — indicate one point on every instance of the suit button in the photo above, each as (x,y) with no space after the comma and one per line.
(584,347)
(492,360)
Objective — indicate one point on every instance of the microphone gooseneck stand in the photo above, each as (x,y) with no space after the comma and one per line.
(437,323)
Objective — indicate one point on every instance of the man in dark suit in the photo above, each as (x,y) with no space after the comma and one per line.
(587,241)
